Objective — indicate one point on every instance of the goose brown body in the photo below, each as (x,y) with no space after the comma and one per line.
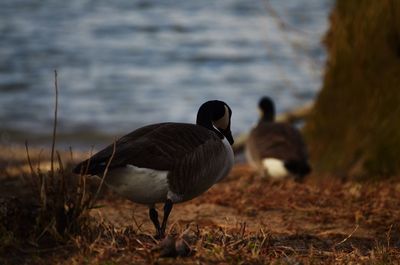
(275,149)
(168,162)
(193,158)
(275,140)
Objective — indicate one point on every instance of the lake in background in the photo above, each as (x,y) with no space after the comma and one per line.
(124,64)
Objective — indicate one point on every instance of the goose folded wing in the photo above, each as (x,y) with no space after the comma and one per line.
(156,146)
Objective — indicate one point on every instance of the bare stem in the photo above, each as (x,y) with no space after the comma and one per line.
(344,240)
(55,124)
(35,185)
(104,175)
(29,158)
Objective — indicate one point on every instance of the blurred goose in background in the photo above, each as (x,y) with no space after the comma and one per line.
(276,150)
(168,162)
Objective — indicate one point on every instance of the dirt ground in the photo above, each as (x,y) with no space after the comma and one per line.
(242,220)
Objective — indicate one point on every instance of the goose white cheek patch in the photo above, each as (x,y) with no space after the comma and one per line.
(224,121)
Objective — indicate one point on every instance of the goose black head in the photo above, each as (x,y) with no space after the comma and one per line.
(216,115)
(267,109)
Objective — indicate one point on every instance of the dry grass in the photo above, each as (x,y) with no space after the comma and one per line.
(243,220)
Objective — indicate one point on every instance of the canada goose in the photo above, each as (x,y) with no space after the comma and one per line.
(276,150)
(168,162)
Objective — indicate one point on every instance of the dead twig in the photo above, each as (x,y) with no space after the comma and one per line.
(54,126)
(388,235)
(104,175)
(350,235)
(29,159)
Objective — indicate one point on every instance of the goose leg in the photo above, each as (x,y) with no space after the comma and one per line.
(167,210)
(154,218)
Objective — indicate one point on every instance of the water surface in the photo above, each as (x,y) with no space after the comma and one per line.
(124,64)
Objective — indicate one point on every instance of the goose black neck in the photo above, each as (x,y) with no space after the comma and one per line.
(267,109)
(267,117)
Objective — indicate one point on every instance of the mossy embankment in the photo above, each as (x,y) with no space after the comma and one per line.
(354,129)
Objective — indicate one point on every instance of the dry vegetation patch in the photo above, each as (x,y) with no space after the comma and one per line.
(242,220)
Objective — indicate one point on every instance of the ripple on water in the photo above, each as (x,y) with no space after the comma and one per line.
(123,64)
